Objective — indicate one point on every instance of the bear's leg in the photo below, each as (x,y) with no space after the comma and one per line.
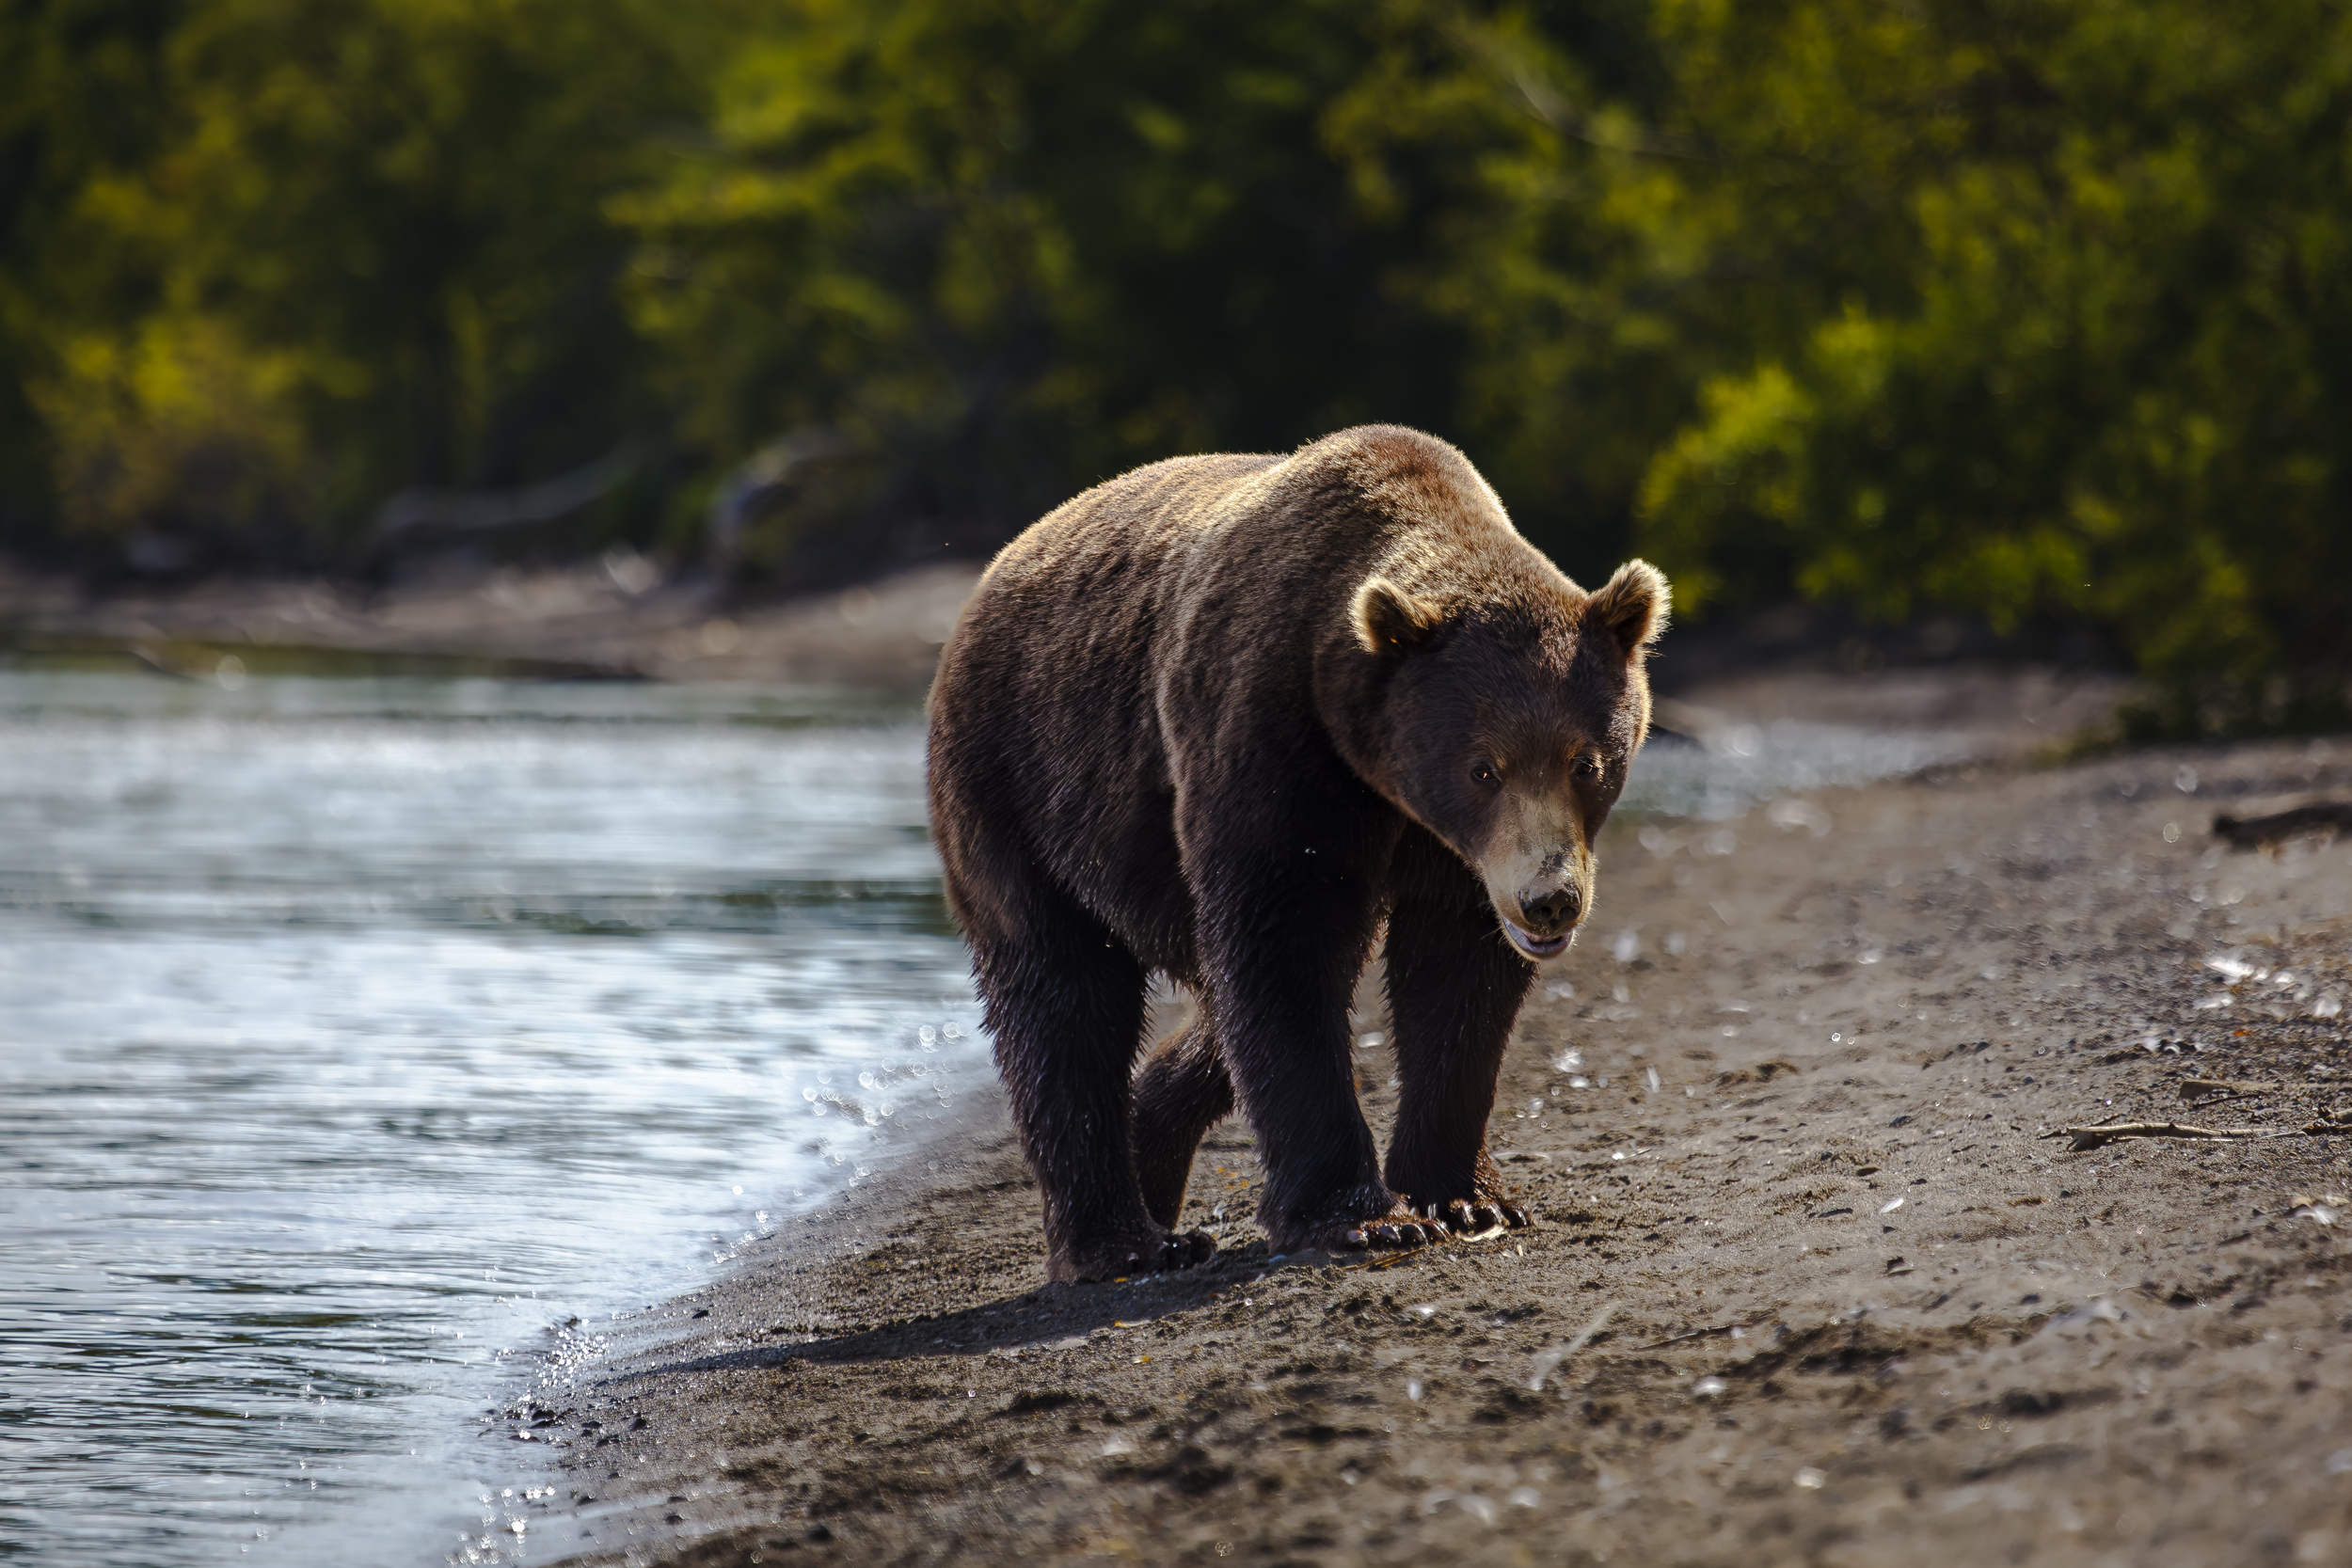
(1182,1092)
(1290,899)
(1065,1006)
(1282,1030)
(1455,988)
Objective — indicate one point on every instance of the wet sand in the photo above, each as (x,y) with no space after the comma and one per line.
(1811,1282)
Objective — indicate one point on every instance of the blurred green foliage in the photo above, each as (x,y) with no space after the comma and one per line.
(2032,309)
(2082,339)
(264,262)
(1022,247)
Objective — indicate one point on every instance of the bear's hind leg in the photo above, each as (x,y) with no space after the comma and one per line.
(1182,1092)
(1455,989)
(1065,1006)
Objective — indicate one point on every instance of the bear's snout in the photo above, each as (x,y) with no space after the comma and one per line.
(1545,920)
(1547,912)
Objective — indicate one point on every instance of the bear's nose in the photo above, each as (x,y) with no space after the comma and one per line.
(1551,909)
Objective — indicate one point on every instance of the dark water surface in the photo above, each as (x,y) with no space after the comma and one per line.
(359,1035)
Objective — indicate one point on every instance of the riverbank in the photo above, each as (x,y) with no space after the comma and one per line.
(1811,1282)
(612,618)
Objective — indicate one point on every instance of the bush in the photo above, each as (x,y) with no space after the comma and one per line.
(2103,370)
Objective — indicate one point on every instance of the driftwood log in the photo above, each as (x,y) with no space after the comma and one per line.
(2328,818)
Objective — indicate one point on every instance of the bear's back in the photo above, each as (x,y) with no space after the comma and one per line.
(1223,572)
(1236,526)
(1161,636)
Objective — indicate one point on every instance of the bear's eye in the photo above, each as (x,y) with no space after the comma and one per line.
(1483,772)
(1592,767)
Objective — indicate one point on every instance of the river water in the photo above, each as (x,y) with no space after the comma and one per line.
(359,1038)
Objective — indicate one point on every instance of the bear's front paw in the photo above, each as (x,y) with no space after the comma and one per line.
(1118,1257)
(1467,1203)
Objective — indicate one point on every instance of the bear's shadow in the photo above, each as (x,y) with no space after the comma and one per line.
(1059,1316)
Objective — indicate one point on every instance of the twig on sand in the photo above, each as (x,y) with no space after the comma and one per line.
(2219,1089)
(1697,1334)
(1548,1361)
(2115,1132)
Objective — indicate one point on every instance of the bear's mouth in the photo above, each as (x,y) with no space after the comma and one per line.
(1535,947)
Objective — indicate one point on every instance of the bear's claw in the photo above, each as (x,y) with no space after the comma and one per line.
(1183,1248)
(1390,1237)
(1488,1217)
(1397,1232)
(1410,1225)
(1170,1250)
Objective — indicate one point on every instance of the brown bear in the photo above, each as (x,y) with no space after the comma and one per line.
(1220,718)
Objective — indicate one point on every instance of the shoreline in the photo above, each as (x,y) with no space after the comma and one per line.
(608,620)
(1824,1290)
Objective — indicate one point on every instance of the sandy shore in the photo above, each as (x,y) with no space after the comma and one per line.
(1811,1282)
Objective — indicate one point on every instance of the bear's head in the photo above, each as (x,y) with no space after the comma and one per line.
(1505,726)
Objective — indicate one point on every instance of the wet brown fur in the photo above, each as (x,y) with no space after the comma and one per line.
(1220,718)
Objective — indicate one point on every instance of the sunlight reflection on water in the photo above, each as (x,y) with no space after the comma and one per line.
(353,1033)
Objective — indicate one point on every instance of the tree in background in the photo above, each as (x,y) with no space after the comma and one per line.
(79,97)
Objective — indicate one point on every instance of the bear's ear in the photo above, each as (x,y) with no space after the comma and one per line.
(1632,605)
(1389,620)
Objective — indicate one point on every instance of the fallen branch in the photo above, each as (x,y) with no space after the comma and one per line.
(2115,1132)
(463,511)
